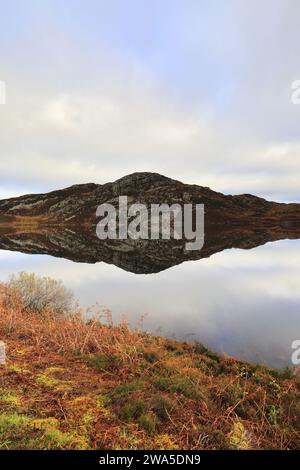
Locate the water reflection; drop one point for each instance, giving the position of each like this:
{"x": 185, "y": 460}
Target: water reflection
{"x": 242, "y": 302}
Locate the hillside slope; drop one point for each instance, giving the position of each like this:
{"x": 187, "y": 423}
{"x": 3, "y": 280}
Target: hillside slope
{"x": 74, "y": 385}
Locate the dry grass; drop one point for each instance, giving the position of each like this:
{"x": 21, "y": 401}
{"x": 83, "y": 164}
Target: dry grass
{"x": 75, "y": 385}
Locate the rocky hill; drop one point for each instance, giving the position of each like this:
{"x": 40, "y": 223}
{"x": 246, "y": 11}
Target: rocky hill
{"x": 77, "y": 204}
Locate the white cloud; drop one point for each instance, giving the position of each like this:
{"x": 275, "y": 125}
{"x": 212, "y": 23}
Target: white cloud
{"x": 110, "y": 114}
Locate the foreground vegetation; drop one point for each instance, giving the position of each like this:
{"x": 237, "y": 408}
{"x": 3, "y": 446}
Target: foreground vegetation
{"x": 69, "y": 384}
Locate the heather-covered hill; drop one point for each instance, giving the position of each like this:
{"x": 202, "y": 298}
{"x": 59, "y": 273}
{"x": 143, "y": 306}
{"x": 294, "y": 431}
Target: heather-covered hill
{"x": 78, "y": 203}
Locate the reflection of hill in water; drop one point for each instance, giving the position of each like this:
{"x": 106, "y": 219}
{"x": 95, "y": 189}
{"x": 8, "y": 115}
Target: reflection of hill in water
{"x": 140, "y": 257}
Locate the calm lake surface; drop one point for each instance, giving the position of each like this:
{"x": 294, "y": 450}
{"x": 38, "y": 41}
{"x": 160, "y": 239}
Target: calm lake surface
{"x": 245, "y": 303}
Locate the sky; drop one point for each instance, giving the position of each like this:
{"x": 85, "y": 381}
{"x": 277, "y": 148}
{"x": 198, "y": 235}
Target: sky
{"x": 197, "y": 90}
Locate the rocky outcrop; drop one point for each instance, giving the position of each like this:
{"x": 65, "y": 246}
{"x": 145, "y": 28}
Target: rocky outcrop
{"x": 78, "y": 204}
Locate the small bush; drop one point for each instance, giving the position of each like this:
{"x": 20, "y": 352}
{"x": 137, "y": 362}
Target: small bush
{"x": 177, "y": 384}
{"x": 284, "y": 374}
{"x": 39, "y": 294}
{"x": 133, "y": 410}
{"x": 9, "y": 398}
{"x": 214, "y": 437}
{"x": 123, "y": 391}
{"x": 272, "y": 414}
{"x": 162, "y": 407}
{"x": 148, "y": 422}
{"x": 151, "y": 356}
{"x": 104, "y": 362}
{"x": 199, "y": 348}
{"x": 232, "y": 395}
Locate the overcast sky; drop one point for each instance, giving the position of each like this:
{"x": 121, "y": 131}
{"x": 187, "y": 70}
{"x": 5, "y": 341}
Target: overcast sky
{"x": 198, "y": 90}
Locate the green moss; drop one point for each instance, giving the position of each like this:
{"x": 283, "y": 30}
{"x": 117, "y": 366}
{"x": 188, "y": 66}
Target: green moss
{"x": 44, "y": 423}
{"x": 165, "y": 442}
{"x": 54, "y": 438}
{"x": 11, "y": 421}
{"x": 10, "y": 398}
{"x": 50, "y": 380}
{"x": 15, "y": 431}
{"x": 102, "y": 401}
{"x": 15, "y": 368}
{"x": 23, "y": 432}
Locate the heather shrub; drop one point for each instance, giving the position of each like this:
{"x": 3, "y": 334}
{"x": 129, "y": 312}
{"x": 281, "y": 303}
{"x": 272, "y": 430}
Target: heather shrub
{"x": 39, "y": 294}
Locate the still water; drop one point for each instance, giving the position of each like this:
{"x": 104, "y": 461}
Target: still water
{"x": 245, "y": 303}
